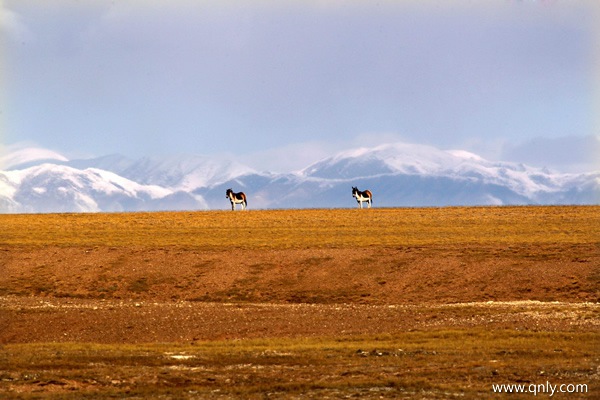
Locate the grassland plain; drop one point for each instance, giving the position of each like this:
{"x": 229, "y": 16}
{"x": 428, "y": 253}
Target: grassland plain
{"x": 392, "y": 303}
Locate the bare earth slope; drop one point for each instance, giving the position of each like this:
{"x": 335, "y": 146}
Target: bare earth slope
{"x": 189, "y": 278}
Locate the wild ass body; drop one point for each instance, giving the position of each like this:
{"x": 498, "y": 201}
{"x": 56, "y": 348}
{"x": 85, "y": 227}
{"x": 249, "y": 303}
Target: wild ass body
{"x": 236, "y": 198}
{"x": 362, "y": 196}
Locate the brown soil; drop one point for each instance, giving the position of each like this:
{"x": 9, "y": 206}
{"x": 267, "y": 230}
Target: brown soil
{"x": 170, "y": 294}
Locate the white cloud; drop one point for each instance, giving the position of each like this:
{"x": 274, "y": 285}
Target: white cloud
{"x": 25, "y": 152}
{"x": 372, "y": 139}
{"x": 291, "y": 157}
{"x": 12, "y": 25}
{"x": 299, "y": 155}
{"x": 568, "y": 153}
{"x": 565, "y": 154}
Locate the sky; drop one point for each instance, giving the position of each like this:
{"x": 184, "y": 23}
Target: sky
{"x": 281, "y": 84}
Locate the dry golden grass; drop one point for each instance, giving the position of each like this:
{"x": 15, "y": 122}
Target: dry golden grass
{"x": 434, "y": 365}
{"x": 281, "y": 229}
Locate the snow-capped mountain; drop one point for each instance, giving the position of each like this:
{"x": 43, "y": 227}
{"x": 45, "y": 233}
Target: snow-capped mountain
{"x": 60, "y": 188}
{"x": 398, "y": 174}
{"x": 385, "y": 159}
{"x": 429, "y": 162}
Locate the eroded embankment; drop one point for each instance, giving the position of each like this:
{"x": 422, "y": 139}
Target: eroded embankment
{"x": 26, "y": 320}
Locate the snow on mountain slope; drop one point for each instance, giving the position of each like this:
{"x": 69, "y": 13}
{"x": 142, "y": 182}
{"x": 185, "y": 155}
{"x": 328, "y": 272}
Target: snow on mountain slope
{"x": 388, "y": 158}
{"x": 60, "y": 188}
{"x": 185, "y": 172}
{"x": 113, "y": 163}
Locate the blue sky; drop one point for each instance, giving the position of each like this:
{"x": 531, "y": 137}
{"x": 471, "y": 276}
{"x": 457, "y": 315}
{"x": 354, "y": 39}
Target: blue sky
{"x": 281, "y": 84}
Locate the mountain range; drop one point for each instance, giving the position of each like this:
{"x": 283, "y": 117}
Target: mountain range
{"x": 398, "y": 174}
